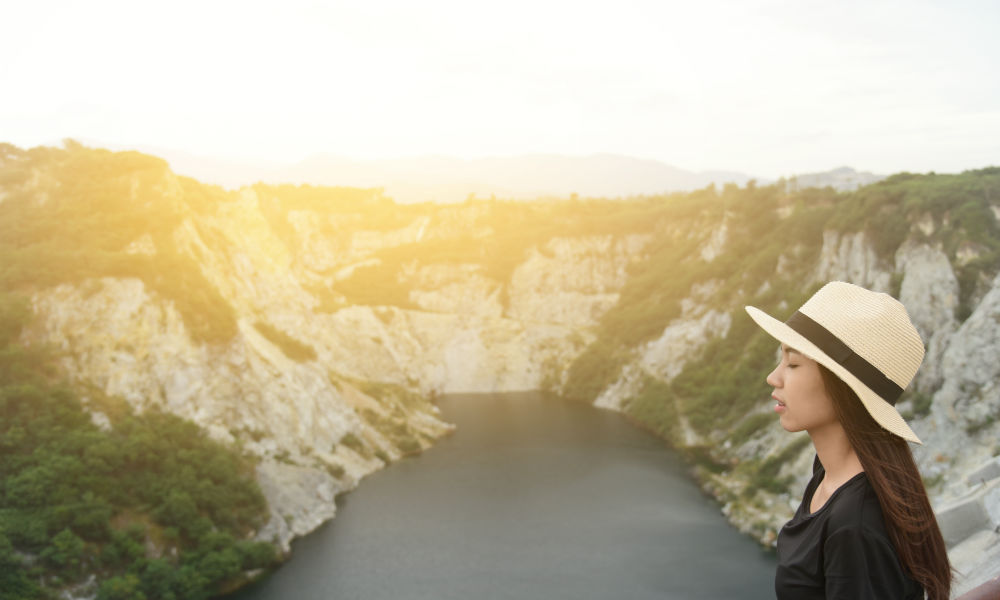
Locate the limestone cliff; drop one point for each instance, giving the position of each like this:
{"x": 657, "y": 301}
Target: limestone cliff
{"x": 956, "y": 393}
{"x": 319, "y": 425}
{"x": 309, "y": 326}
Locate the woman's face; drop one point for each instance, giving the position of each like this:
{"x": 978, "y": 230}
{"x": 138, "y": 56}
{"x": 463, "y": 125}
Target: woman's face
{"x": 802, "y": 401}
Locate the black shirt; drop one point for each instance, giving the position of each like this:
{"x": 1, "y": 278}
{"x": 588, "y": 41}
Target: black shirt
{"x": 842, "y": 550}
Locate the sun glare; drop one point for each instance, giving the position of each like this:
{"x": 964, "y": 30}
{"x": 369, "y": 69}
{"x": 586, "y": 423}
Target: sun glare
{"x": 767, "y": 88}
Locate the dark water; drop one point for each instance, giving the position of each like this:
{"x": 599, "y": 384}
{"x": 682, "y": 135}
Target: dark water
{"x": 531, "y": 497}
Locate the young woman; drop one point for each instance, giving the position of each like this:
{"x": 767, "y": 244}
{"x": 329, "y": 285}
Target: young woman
{"x": 865, "y": 528}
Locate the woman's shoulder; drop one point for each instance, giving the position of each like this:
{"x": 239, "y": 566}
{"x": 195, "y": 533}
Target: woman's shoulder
{"x": 859, "y": 558}
{"x": 854, "y": 507}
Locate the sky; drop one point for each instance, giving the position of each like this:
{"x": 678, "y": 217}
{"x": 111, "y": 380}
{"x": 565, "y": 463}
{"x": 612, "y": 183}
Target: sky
{"x": 768, "y": 88}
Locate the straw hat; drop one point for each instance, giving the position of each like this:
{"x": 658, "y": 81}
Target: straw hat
{"x": 865, "y": 338}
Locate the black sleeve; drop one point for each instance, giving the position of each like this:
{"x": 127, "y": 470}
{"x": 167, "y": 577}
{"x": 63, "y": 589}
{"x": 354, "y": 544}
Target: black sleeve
{"x": 860, "y": 566}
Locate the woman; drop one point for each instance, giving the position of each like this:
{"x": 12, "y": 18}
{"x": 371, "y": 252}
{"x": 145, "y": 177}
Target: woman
{"x": 865, "y": 528}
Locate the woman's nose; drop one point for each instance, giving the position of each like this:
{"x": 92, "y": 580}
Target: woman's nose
{"x": 773, "y": 379}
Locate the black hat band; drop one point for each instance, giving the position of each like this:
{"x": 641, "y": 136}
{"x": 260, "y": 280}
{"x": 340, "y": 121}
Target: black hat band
{"x": 867, "y": 373}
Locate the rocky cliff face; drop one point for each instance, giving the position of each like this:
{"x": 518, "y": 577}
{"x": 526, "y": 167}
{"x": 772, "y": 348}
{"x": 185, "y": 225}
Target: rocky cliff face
{"x": 319, "y": 425}
{"x": 324, "y": 390}
{"x": 115, "y": 337}
{"x": 956, "y": 388}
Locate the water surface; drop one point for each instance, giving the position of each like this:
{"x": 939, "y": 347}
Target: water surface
{"x": 531, "y": 497}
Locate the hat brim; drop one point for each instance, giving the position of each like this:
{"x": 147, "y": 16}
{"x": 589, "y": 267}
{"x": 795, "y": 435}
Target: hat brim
{"x": 884, "y": 413}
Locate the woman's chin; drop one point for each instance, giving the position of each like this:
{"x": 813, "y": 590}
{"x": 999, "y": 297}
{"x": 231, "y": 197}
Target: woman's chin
{"x": 788, "y": 425}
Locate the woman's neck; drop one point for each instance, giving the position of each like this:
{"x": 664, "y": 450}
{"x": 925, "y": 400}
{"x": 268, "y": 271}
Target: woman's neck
{"x": 836, "y": 454}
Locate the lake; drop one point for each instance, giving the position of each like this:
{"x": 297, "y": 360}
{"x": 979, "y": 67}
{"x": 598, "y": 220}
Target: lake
{"x": 531, "y": 497}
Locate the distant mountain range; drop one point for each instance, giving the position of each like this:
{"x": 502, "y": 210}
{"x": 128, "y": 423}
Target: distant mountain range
{"x": 446, "y": 179}
{"x": 843, "y": 179}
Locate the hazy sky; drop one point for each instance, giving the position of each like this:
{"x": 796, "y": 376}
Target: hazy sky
{"x": 765, "y": 87}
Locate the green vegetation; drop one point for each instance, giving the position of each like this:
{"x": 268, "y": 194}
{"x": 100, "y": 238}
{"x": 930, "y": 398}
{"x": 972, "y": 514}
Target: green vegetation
{"x": 958, "y": 208}
{"x": 376, "y": 285}
{"x": 353, "y": 442}
{"x": 77, "y": 499}
{"x": 293, "y": 348}
{"x": 83, "y": 500}
{"x": 920, "y": 403}
{"x": 497, "y": 241}
{"x": 354, "y": 208}
{"x": 652, "y": 408}
{"x": 652, "y": 296}
{"x": 764, "y": 474}
{"x": 725, "y": 380}
{"x": 977, "y": 426}
{"x": 151, "y": 506}
{"x": 752, "y": 424}
{"x": 392, "y": 419}
{"x": 335, "y": 471}
{"x": 70, "y": 214}
{"x": 745, "y": 272}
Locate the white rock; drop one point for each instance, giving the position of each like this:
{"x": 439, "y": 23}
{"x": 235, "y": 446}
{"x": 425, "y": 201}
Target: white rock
{"x": 849, "y": 257}
{"x": 301, "y": 499}
{"x": 929, "y": 291}
{"x": 715, "y": 243}
{"x": 572, "y": 281}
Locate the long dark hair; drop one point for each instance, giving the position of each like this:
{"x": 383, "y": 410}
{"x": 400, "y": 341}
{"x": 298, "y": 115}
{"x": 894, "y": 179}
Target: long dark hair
{"x": 893, "y": 474}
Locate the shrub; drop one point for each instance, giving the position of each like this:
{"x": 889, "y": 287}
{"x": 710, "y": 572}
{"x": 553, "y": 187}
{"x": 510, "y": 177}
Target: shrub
{"x": 293, "y": 348}
{"x": 353, "y": 442}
